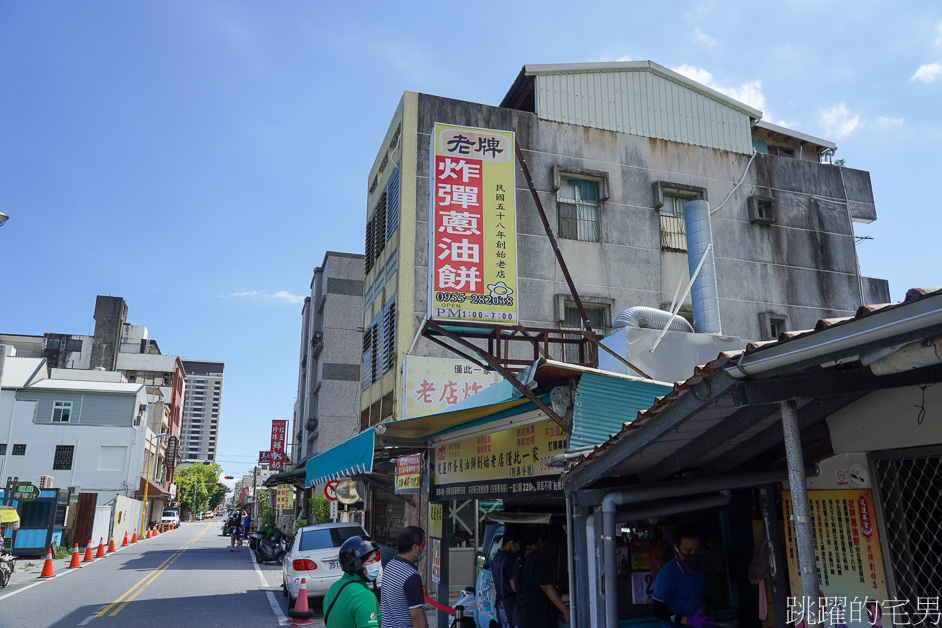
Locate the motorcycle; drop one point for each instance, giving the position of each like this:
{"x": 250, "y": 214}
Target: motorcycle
{"x": 7, "y": 565}
{"x": 268, "y": 550}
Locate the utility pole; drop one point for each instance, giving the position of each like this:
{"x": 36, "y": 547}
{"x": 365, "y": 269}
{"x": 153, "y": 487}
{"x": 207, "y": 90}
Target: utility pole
{"x": 255, "y": 496}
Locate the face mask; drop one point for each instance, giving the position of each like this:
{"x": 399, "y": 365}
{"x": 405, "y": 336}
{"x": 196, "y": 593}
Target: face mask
{"x": 372, "y": 571}
{"x": 422, "y": 556}
{"x": 692, "y": 560}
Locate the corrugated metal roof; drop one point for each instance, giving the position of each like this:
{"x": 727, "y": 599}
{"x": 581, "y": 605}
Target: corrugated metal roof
{"x": 642, "y": 98}
{"x": 602, "y": 406}
{"x": 79, "y": 386}
{"x": 727, "y": 359}
{"x": 18, "y": 371}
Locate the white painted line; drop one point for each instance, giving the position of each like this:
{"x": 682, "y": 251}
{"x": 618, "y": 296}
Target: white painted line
{"x": 275, "y": 606}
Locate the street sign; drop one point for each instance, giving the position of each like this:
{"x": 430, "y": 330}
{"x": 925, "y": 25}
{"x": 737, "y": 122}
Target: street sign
{"x": 330, "y": 491}
{"x": 25, "y": 492}
{"x": 172, "y": 445}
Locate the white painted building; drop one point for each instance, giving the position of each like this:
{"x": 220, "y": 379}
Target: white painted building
{"x": 86, "y": 435}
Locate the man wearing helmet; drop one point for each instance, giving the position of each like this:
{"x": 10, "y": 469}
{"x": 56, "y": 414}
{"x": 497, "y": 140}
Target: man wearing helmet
{"x": 349, "y": 602}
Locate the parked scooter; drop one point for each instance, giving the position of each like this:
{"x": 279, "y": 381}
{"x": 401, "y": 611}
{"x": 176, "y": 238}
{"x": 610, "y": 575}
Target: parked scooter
{"x": 465, "y": 608}
{"x": 7, "y": 565}
{"x": 269, "y": 550}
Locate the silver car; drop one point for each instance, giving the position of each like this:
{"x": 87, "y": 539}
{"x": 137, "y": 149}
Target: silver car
{"x": 313, "y": 555}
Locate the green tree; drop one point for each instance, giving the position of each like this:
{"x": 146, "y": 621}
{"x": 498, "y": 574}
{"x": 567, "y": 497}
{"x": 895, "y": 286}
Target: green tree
{"x": 320, "y": 509}
{"x": 218, "y": 495}
{"x": 196, "y": 483}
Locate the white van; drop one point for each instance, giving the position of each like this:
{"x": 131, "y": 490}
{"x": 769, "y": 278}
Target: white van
{"x": 171, "y": 516}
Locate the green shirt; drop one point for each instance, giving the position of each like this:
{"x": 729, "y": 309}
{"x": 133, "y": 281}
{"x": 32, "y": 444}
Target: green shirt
{"x": 357, "y": 606}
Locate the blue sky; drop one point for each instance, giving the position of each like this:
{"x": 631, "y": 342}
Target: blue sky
{"x": 198, "y": 158}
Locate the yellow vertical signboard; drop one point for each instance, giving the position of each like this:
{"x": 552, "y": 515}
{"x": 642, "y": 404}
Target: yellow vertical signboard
{"x": 472, "y": 226}
{"x": 847, "y": 553}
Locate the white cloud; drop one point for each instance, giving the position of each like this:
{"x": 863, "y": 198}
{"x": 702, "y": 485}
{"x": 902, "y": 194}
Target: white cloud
{"x": 749, "y": 93}
{"x": 281, "y": 295}
{"x": 928, "y": 73}
{"x": 838, "y": 121}
{"x": 888, "y": 121}
{"x": 704, "y": 38}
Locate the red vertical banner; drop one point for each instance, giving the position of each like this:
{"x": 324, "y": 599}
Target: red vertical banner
{"x": 279, "y": 429}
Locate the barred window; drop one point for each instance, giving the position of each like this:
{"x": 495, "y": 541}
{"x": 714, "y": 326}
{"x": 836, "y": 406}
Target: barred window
{"x": 577, "y": 203}
{"x": 19, "y": 450}
{"x": 598, "y": 314}
{"x": 63, "y": 458}
{"x": 673, "y": 228}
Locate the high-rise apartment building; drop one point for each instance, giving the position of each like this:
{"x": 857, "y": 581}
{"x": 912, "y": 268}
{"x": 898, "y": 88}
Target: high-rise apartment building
{"x": 201, "y": 403}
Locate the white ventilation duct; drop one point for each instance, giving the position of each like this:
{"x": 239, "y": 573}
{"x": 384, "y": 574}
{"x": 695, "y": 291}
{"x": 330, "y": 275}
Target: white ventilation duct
{"x": 705, "y": 295}
{"x": 651, "y": 318}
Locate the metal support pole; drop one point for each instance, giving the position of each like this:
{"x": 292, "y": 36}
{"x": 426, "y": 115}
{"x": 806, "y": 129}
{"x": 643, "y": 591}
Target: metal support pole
{"x": 804, "y": 532}
{"x": 146, "y": 484}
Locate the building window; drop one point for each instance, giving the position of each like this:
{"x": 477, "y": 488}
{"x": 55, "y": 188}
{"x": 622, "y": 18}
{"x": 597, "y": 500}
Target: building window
{"x": 772, "y": 325}
{"x": 3, "y": 449}
{"x": 577, "y": 204}
{"x": 73, "y": 345}
{"x": 19, "y": 450}
{"x": 63, "y": 458}
{"x": 598, "y": 316}
{"x": 61, "y": 411}
{"x": 761, "y": 210}
{"x": 673, "y": 228}
{"x": 669, "y": 201}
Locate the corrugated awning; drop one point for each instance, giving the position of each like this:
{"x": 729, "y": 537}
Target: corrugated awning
{"x": 604, "y": 404}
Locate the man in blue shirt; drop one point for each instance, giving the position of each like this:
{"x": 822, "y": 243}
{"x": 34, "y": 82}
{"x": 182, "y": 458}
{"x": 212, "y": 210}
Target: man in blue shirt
{"x": 678, "y": 588}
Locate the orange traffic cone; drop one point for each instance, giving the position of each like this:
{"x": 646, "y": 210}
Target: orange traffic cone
{"x": 76, "y": 562}
{"x": 47, "y": 566}
{"x": 162, "y": 529}
{"x": 89, "y": 553}
{"x": 301, "y": 614}
{"x": 101, "y": 548}
{"x": 133, "y": 537}
{"x": 148, "y": 535}
{"x": 125, "y": 541}
{"x": 110, "y": 545}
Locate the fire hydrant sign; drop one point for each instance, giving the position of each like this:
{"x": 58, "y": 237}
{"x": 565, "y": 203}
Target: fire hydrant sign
{"x": 846, "y": 549}
{"x": 472, "y": 226}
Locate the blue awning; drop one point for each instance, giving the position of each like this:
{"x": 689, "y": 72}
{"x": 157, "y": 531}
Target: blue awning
{"x": 351, "y": 457}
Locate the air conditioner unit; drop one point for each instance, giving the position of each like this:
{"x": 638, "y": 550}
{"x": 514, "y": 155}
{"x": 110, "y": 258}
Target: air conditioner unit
{"x": 45, "y": 481}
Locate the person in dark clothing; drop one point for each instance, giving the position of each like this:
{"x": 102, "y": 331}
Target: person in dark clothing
{"x": 678, "y": 587}
{"x": 536, "y": 594}
{"x": 501, "y": 567}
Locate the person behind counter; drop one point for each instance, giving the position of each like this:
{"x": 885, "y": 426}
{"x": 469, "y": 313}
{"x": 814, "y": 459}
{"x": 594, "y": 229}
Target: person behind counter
{"x": 678, "y": 588}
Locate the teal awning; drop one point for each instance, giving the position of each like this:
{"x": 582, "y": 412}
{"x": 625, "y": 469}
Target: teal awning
{"x": 603, "y": 404}
{"x": 351, "y": 457}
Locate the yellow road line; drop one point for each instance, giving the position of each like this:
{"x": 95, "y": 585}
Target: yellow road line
{"x": 146, "y": 580}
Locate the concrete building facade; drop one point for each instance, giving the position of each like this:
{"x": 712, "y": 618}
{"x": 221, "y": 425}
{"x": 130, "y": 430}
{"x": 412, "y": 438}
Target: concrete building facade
{"x": 327, "y": 408}
{"x": 645, "y": 140}
{"x": 202, "y": 401}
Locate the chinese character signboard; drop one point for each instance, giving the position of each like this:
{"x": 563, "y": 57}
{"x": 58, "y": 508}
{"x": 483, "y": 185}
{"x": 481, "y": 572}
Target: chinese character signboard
{"x": 509, "y": 463}
{"x": 435, "y": 517}
{"x": 409, "y": 474}
{"x": 472, "y": 230}
{"x": 846, "y": 548}
{"x": 284, "y": 497}
{"x": 278, "y": 432}
{"x": 264, "y": 457}
{"x": 432, "y": 385}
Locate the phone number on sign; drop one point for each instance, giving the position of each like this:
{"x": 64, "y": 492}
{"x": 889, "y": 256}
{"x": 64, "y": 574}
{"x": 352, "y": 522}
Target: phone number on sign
{"x": 473, "y": 299}
{"x": 447, "y": 312}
